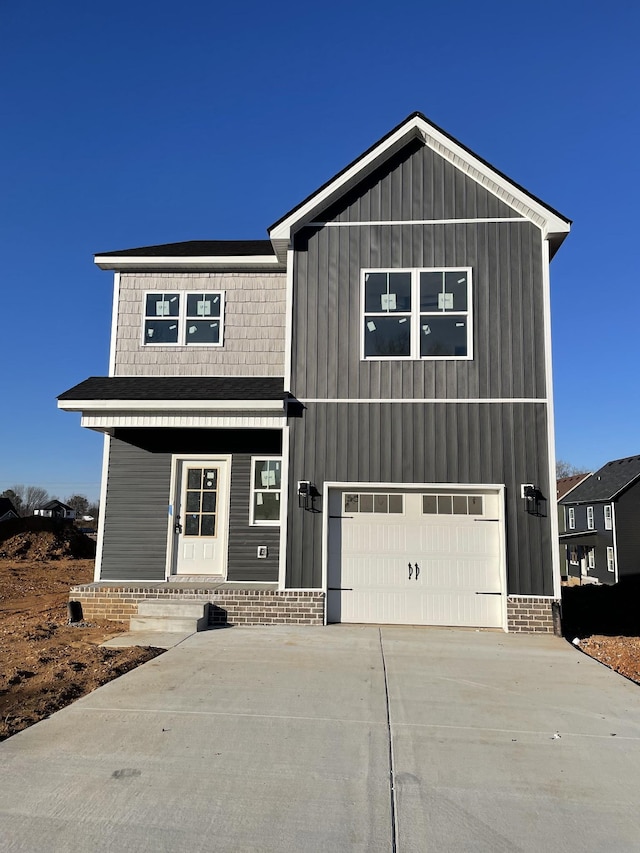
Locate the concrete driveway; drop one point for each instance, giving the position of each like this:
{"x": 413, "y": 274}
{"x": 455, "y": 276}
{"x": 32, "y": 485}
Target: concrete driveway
{"x": 336, "y": 739}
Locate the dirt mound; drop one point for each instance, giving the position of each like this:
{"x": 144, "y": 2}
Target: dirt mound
{"x": 64, "y": 543}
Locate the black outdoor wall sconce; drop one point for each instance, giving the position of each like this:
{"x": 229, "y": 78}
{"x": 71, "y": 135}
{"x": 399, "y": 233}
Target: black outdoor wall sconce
{"x": 533, "y": 499}
{"x": 307, "y": 493}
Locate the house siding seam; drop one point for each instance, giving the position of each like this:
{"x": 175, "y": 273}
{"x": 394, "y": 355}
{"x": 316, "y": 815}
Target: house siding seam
{"x": 251, "y": 346}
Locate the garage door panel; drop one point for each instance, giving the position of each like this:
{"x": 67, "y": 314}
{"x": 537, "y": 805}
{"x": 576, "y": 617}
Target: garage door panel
{"x": 458, "y": 559}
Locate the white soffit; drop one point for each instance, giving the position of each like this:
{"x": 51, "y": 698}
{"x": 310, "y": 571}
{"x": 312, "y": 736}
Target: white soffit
{"x": 465, "y": 161}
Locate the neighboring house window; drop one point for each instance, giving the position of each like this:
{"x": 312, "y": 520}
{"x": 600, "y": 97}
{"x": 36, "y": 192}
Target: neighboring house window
{"x": 187, "y": 319}
{"x": 571, "y": 518}
{"x": 266, "y": 488}
{"x": 591, "y": 558}
{"x": 611, "y": 567}
{"x": 417, "y": 314}
{"x": 590, "y": 518}
{"x": 608, "y": 520}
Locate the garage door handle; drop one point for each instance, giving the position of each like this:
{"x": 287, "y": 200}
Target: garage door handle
{"x": 340, "y": 589}
{"x": 488, "y": 593}
{"x": 410, "y": 571}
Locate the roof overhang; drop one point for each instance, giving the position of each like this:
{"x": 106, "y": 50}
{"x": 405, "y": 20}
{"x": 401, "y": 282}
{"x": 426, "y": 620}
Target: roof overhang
{"x": 129, "y": 263}
{"x": 553, "y": 225}
{"x": 170, "y": 405}
{"x": 577, "y": 535}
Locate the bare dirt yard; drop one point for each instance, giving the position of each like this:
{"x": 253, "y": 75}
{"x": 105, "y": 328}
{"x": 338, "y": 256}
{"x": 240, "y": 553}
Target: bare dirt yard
{"x": 47, "y": 663}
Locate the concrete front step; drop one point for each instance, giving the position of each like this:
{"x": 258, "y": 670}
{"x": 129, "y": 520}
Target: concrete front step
{"x": 170, "y": 616}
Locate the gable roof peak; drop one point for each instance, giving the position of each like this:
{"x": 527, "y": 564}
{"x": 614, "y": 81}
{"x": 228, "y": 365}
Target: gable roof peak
{"x": 554, "y": 225}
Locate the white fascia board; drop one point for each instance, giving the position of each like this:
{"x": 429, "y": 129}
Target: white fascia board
{"x": 442, "y": 144}
{"x": 169, "y": 405}
{"x": 142, "y": 262}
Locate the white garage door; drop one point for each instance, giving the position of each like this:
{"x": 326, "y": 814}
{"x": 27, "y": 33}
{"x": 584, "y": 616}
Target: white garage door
{"x": 415, "y": 558}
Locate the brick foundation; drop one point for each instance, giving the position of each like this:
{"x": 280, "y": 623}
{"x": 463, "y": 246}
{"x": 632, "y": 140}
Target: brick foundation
{"x": 118, "y": 602}
{"x": 531, "y": 614}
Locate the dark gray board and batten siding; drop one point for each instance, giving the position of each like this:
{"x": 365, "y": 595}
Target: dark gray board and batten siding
{"x": 480, "y": 443}
{"x": 135, "y": 534}
{"x": 498, "y": 443}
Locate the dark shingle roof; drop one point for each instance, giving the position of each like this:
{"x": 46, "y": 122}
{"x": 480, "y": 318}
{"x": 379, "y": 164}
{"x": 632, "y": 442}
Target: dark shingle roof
{"x": 177, "y": 388}
{"x": 196, "y": 249}
{"x": 606, "y": 483}
{"x": 54, "y": 504}
{"x": 565, "y": 484}
{"x": 6, "y": 506}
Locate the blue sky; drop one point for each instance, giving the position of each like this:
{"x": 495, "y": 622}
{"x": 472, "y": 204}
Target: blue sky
{"x": 137, "y": 123}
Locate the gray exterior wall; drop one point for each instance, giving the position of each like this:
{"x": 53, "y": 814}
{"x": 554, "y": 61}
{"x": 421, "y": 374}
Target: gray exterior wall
{"x": 253, "y": 326}
{"x": 135, "y": 533}
{"x": 135, "y": 514}
{"x": 627, "y": 514}
{"x": 492, "y": 443}
{"x": 507, "y": 290}
{"x": 425, "y": 443}
{"x": 244, "y": 540}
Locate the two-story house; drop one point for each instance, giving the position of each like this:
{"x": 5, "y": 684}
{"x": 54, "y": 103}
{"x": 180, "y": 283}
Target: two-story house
{"x": 601, "y": 521}
{"x": 351, "y": 420}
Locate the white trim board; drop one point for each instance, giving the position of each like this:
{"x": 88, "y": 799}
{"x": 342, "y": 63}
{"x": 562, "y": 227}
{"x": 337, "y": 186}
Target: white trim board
{"x": 170, "y": 405}
{"x": 413, "y": 400}
{"x": 481, "y": 220}
{"x": 144, "y": 262}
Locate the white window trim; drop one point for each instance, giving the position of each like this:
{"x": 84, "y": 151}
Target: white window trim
{"x": 416, "y": 313}
{"x": 611, "y": 559}
{"x": 608, "y": 517}
{"x": 591, "y": 558}
{"x": 181, "y": 319}
{"x": 571, "y": 518}
{"x": 252, "y": 492}
{"x": 590, "y": 518}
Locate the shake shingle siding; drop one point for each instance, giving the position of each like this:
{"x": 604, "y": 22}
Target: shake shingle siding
{"x": 252, "y": 347}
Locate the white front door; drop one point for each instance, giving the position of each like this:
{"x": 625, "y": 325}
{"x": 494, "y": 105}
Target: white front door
{"x": 415, "y": 558}
{"x": 201, "y": 517}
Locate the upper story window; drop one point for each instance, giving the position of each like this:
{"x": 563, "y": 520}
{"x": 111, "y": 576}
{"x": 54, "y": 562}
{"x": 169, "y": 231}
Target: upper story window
{"x": 417, "y": 314}
{"x": 571, "y": 518}
{"x": 186, "y": 319}
{"x": 590, "y": 524}
{"x": 608, "y": 519}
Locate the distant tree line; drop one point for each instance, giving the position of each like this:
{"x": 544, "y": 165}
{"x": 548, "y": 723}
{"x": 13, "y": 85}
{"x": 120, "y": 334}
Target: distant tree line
{"x": 566, "y": 469}
{"x": 27, "y": 498}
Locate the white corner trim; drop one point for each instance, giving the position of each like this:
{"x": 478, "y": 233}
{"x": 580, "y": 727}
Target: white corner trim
{"x": 103, "y": 507}
{"x": 615, "y": 541}
{"x": 114, "y": 324}
{"x": 288, "y": 323}
{"x": 284, "y": 510}
{"x": 551, "y": 440}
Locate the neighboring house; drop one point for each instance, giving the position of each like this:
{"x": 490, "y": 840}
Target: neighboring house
{"x": 7, "y": 510}
{"x": 602, "y": 530}
{"x": 55, "y": 509}
{"x": 356, "y": 408}
{"x": 563, "y": 486}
